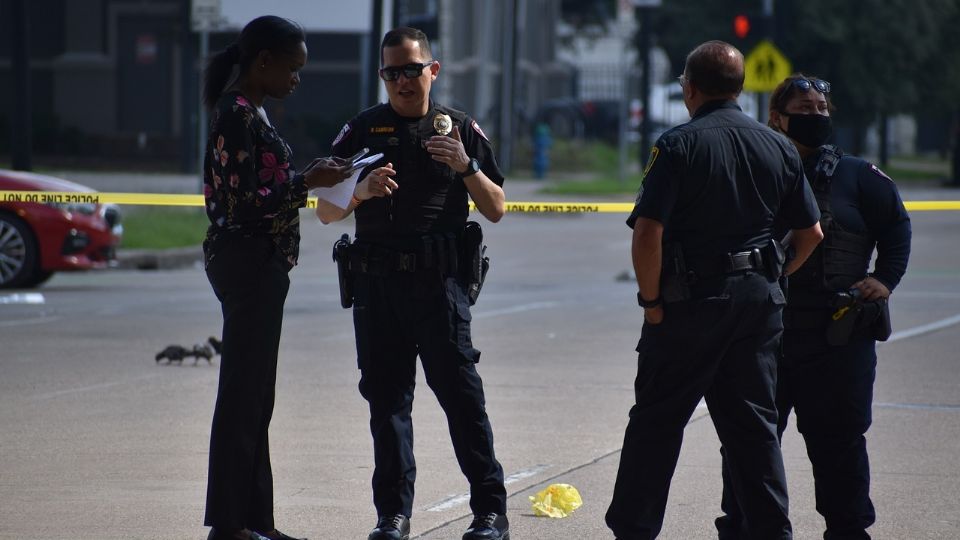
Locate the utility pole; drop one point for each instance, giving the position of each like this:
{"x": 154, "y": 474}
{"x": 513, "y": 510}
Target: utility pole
{"x": 769, "y": 33}
{"x": 373, "y": 53}
{"x": 645, "y": 85}
{"x": 205, "y": 15}
{"x": 645, "y": 7}
{"x": 508, "y": 66}
{"x": 884, "y": 136}
{"x": 21, "y": 140}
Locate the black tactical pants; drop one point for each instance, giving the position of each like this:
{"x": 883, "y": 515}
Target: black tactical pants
{"x": 721, "y": 346}
{"x": 831, "y": 391}
{"x": 396, "y": 318}
{"x": 250, "y": 279}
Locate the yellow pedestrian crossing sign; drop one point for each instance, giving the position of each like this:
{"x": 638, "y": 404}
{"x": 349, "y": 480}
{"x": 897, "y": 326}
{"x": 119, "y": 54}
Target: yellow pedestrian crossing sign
{"x": 765, "y": 67}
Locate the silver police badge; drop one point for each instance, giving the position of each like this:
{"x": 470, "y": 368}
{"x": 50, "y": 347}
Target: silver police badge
{"x": 442, "y": 124}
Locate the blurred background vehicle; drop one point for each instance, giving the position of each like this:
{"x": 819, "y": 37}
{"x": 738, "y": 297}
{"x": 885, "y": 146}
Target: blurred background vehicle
{"x": 581, "y": 119}
{"x": 38, "y": 239}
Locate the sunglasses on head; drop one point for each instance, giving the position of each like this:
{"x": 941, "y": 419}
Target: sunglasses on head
{"x": 806, "y": 84}
{"x": 410, "y": 71}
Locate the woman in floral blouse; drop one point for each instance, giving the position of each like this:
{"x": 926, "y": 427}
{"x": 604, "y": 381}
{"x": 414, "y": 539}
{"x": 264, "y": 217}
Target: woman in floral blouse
{"x": 252, "y": 194}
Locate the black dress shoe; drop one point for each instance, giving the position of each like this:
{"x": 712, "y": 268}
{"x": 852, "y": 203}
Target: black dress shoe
{"x": 396, "y": 527}
{"x": 242, "y": 534}
{"x": 277, "y": 535}
{"x": 488, "y": 527}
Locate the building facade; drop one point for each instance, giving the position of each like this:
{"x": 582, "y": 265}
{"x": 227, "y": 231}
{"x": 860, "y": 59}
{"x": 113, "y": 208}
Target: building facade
{"x": 117, "y": 82}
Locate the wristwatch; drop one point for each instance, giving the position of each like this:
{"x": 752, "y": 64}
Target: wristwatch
{"x": 647, "y": 304}
{"x": 472, "y": 168}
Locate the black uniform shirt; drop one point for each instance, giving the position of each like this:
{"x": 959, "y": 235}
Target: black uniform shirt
{"x": 431, "y": 197}
{"x": 865, "y": 201}
{"x": 718, "y": 182}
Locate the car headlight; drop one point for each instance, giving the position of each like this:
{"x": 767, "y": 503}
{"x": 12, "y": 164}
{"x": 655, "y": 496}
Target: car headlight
{"x": 111, "y": 213}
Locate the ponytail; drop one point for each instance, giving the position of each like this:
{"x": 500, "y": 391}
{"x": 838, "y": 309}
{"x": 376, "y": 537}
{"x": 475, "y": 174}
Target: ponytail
{"x": 217, "y": 73}
{"x": 270, "y": 33}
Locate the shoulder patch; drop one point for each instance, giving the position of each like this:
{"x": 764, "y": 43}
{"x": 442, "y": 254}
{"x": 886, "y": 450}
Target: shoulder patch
{"x": 876, "y": 170}
{"x": 476, "y": 127}
{"x": 654, "y": 152}
{"x": 343, "y": 133}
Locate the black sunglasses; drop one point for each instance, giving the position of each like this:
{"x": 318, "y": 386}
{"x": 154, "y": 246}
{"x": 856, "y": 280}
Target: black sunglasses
{"x": 806, "y": 84}
{"x": 410, "y": 71}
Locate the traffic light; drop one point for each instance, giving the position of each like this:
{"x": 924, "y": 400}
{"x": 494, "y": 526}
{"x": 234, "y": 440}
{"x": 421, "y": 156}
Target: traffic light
{"x": 741, "y": 26}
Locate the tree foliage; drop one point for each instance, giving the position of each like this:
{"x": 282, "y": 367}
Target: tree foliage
{"x": 872, "y": 50}
{"x": 681, "y": 25}
{"x": 882, "y": 56}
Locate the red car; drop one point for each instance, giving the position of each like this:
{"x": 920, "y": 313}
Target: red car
{"x": 40, "y": 238}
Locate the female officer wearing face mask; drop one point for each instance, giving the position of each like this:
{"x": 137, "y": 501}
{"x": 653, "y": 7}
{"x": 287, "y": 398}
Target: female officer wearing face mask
{"x": 835, "y": 313}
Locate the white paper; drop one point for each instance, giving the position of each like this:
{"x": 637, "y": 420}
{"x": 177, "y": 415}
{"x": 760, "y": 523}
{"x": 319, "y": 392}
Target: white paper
{"x": 339, "y": 195}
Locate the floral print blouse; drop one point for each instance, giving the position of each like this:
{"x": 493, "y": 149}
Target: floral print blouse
{"x": 249, "y": 185}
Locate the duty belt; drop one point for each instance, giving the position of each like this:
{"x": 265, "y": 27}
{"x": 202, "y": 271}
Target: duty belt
{"x": 435, "y": 253}
{"x": 727, "y": 263}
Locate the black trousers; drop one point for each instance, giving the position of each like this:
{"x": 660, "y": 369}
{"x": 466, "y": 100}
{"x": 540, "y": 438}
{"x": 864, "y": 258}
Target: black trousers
{"x": 831, "y": 391}
{"x": 721, "y": 345}
{"x": 250, "y": 279}
{"x": 396, "y": 318}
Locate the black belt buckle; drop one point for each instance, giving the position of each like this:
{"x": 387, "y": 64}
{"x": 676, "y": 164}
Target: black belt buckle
{"x": 743, "y": 260}
{"x": 734, "y": 262}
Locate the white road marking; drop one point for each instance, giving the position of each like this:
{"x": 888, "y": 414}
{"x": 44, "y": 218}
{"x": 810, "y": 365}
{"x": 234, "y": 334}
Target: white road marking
{"x": 924, "y": 329}
{"x": 515, "y": 309}
{"x": 457, "y": 500}
{"x": 24, "y": 322}
{"x": 22, "y": 298}
{"x": 927, "y": 294}
{"x": 100, "y": 386}
{"x": 918, "y": 406}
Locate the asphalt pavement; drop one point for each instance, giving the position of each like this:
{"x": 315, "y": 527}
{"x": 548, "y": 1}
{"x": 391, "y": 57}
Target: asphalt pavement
{"x": 100, "y": 441}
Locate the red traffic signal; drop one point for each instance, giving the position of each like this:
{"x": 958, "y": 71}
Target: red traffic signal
{"x": 741, "y": 26}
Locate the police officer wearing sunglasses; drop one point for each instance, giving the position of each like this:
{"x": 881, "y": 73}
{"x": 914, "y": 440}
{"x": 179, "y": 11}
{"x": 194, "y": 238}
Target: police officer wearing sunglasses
{"x": 836, "y": 311}
{"x": 411, "y": 270}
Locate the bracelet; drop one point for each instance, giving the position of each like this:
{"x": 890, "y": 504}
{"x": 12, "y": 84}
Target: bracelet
{"x": 355, "y": 200}
{"x": 647, "y": 304}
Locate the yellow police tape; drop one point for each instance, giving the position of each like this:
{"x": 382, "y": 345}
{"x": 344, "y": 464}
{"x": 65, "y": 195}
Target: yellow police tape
{"x": 177, "y": 199}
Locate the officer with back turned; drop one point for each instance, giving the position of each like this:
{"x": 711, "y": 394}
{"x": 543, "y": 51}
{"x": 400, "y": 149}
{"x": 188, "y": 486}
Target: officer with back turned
{"x": 414, "y": 269}
{"x": 836, "y": 312}
{"x": 707, "y": 267}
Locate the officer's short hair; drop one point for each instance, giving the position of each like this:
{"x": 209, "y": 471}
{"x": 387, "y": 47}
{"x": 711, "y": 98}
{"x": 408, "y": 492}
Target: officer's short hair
{"x": 397, "y": 35}
{"x": 715, "y": 68}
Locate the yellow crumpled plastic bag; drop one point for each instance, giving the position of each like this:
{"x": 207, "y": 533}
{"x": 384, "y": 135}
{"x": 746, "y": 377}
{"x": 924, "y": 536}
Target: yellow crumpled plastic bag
{"x": 556, "y": 501}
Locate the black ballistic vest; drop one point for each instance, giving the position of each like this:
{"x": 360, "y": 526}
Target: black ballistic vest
{"x": 843, "y": 257}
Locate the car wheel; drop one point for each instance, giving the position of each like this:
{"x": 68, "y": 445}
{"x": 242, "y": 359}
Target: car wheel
{"x": 18, "y": 252}
{"x": 38, "y": 278}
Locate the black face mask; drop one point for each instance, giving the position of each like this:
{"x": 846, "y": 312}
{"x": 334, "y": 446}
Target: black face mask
{"x": 810, "y": 130}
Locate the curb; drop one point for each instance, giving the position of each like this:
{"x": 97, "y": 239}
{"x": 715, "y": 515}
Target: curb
{"x": 158, "y": 259}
